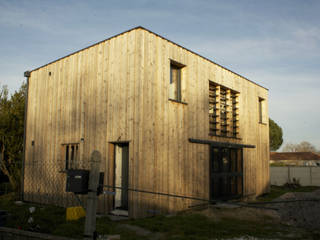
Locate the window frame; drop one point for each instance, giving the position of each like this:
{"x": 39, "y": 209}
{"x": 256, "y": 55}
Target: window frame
{"x": 70, "y": 159}
{"x": 261, "y": 110}
{"x": 179, "y": 67}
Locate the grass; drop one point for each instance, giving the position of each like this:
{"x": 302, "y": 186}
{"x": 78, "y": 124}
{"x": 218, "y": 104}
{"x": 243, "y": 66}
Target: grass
{"x": 197, "y": 226}
{"x": 189, "y": 226}
{"x": 277, "y": 191}
{"x": 52, "y": 220}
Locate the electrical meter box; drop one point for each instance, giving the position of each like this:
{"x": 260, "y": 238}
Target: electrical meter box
{"x": 77, "y": 181}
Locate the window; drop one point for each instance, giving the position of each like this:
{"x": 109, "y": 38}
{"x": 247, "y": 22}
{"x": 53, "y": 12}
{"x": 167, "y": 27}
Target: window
{"x": 175, "y": 81}
{"x": 261, "y": 110}
{"x": 70, "y": 155}
{"x": 223, "y": 111}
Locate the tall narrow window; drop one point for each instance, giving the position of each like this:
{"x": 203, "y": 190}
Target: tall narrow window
{"x": 261, "y": 110}
{"x": 70, "y": 154}
{"x": 175, "y": 81}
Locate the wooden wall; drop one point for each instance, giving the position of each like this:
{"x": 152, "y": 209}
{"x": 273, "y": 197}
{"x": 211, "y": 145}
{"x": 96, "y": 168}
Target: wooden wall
{"x": 117, "y": 90}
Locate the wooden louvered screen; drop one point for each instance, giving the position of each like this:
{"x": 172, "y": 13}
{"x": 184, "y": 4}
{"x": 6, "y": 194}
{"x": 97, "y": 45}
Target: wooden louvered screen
{"x": 223, "y": 111}
{"x": 213, "y": 108}
{"x": 235, "y": 114}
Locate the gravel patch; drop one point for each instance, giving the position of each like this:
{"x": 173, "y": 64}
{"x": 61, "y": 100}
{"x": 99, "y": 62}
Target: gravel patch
{"x": 302, "y": 213}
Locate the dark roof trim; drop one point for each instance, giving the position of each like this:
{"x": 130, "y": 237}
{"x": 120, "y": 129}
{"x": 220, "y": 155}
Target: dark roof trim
{"x": 140, "y": 27}
{"x": 221, "y": 144}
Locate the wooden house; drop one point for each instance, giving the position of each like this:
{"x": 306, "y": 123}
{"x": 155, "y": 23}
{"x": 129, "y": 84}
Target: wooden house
{"x": 171, "y": 125}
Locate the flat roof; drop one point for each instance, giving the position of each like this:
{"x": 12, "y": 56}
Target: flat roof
{"x": 140, "y": 27}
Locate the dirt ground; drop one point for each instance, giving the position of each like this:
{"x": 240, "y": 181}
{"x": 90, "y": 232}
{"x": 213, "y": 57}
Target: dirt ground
{"x": 222, "y": 211}
{"x": 300, "y": 209}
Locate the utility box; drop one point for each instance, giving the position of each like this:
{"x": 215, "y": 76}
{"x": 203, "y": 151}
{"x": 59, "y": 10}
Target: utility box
{"x": 77, "y": 181}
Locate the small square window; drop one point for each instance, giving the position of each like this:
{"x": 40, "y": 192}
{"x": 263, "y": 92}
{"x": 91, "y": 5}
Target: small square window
{"x": 175, "y": 81}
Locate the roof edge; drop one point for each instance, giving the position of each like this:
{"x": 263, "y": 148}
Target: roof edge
{"x": 143, "y": 28}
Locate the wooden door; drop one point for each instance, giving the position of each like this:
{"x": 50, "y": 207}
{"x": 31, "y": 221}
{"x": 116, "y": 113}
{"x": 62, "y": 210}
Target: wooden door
{"x": 226, "y": 173}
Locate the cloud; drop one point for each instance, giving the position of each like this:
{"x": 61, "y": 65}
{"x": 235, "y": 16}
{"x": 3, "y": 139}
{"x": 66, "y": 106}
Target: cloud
{"x": 302, "y": 44}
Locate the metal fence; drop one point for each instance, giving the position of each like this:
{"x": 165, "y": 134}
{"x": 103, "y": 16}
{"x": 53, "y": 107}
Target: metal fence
{"x": 5, "y": 188}
{"x": 305, "y": 175}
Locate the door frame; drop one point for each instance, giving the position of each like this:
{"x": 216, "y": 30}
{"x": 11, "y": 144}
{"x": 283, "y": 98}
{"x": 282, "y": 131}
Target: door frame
{"x": 223, "y": 145}
{"x": 112, "y": 169}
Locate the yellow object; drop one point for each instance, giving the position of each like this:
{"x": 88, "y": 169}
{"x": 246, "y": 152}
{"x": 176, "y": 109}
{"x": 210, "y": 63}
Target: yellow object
{"x": 74, "y": 213}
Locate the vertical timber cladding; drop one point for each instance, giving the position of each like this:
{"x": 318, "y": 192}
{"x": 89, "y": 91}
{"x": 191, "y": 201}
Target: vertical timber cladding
{"x": 118, "y": 90}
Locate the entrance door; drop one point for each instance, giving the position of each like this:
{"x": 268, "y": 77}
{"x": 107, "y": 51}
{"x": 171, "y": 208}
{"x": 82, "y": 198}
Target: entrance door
{"x": 226, "y": 173}
{"x": 121, "y": 175}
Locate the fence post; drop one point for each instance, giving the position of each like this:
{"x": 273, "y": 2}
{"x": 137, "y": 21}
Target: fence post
{"x": 310, "y": 171}
{"x": 289, "y": 177}
{"x": 90, "y": 223}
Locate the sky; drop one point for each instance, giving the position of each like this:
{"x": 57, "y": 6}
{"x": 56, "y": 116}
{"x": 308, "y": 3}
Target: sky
{"x": 275, "y": 43}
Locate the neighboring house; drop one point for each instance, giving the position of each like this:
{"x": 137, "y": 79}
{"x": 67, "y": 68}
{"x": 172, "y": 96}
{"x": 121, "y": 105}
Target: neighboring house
{"x": 164, "y": 118}
{"x": 295, "y": 158}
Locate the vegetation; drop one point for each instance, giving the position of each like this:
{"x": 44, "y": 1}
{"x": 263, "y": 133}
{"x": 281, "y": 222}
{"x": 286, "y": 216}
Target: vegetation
{"x": 191, "y": 225}
{"x": 301, "y": 147}
{"x": 198, "y": 226}
{"x": 11, "y": 134}
{"x": 278, "y": 164}
{"x": 275, "y": 135}
{"x": 52, "y": 220}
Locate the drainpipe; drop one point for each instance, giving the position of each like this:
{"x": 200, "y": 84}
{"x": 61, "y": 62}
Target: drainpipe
{"x": 27, "y": 75}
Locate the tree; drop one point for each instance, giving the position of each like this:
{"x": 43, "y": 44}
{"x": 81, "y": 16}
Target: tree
{"x": 290, "y": 147}
{"x": 275, "y": 135}
{"x": 11, "y": 133}
{"x": 306, "y": 147}
{"x": 301, "y": 147}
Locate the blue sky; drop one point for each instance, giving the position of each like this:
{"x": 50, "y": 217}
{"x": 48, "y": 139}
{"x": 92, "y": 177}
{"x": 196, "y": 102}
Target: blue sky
{"x": 275, "y": 43}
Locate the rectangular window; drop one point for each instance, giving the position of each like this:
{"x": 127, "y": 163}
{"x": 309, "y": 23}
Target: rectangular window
{"x": 175, "y": 81}
{"x": 223, "y": 111}
{"x": 70, "y": 155}
{"x": 261, "y": 110}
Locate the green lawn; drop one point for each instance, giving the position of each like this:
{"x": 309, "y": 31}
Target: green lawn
{"x": 197, "y": 226}
{"x": 191, "y": 225}
{"x": 52, "y": 220}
